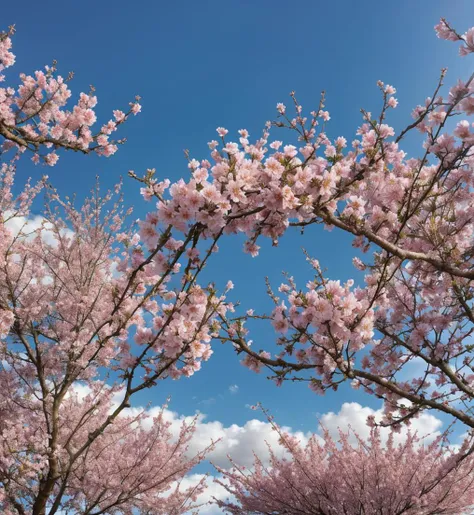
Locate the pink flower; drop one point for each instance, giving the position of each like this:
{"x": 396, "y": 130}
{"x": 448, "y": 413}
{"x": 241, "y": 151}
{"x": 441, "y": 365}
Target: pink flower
{"x": 89, "y": 117}
{"x": 147, "y": 193}
{"x": 143, "y": 335}
{"x": 330, "y": 151}
{"x": 469, "y": 43}
{"x": 467, "y": 105}
{"x": 251, "y": 248}
{"x": 355, "y": 207}
{"x": 51, "y": 159}
{"x": 119, "y": 116}
{"x": 444, "y": 32}
{"x": 290, "y": 151}
{"x": 462, "y": 130}
{"x": 392, "y": 102}
{"x": 281, "y": 325}
{"x": 6, "y": 321}
{"x": 136, "y": 108}
{"x": 149, "y": 234}
{"x": 236, "y": 193}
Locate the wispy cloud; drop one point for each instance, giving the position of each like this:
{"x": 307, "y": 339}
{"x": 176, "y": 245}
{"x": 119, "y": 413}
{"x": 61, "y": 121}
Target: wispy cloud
{"x": 233, "y": 388}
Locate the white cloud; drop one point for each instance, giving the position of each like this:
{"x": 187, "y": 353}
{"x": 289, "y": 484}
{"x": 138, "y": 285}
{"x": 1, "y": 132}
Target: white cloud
{"x": 241, "y": 442}
{"x": 233, "y": 388}
{"x": 81, "y": 390}
{"x": 30, "y": 226}
{"x": 353, "y": 415}
{"x": 238, "y": 441}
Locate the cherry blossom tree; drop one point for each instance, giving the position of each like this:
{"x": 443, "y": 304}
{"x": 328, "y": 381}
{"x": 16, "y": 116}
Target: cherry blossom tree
{"x": 34, "y": 115}
{"x": 329, "y": 477}
{"x": 90, "y": 298}
{"x": 82, "y": 306}
{"x": 414, "y": 214}
{"x": 136, "y": 465}
{"x": 78, "y": 298}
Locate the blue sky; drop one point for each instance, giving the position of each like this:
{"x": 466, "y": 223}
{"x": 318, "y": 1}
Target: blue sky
{"x": 203, "y": 64}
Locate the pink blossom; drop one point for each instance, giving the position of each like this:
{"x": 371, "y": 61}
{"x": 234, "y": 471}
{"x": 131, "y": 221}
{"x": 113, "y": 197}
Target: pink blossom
{"x": 372, "y": 478}
{"x": 443, "y": 31}
{"x": 51, "y": 159}
{"x": 136, "y": 108}
{"x": 119, "y": 115}
{"x": 469, "y": 43}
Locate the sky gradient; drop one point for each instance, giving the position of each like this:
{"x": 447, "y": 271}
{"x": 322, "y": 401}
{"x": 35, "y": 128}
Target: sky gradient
{"x": 200, "y": 65}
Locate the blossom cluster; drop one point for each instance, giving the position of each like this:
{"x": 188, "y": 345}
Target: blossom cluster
{"x": 136, "y": 464}
{"x": 35, "y": 114}
{"x": 338, "y": 477}
{"x": 415, "y": 213}
{"x": 83, "y": 292}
